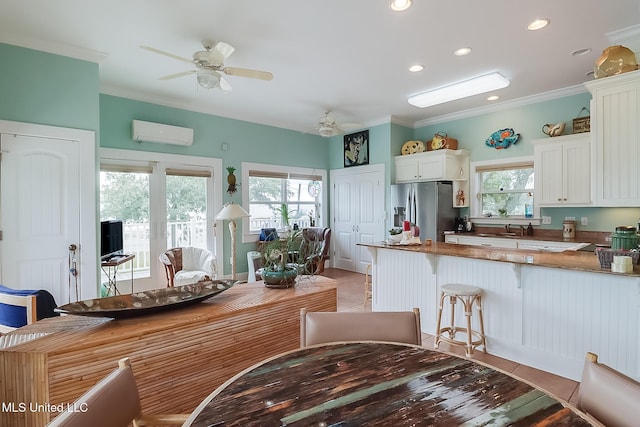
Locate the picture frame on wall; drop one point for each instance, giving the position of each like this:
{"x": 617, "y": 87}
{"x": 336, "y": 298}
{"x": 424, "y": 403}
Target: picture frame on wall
{"x": 356, "y": 149}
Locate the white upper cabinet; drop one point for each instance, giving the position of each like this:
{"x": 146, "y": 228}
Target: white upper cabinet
{"x": 438, "y": 165}
{"x": 615, "y": 130}
{"x": 562, "y": 170}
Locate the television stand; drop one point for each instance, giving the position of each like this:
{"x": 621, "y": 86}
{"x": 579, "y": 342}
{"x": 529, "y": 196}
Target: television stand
{"x": 110, "y": 268}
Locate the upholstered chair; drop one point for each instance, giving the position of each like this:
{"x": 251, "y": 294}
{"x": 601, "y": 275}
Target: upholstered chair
{"x": 188, "y": 265}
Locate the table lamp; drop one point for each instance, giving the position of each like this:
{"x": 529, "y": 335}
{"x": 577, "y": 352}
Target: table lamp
{"x": 231, "y": 212}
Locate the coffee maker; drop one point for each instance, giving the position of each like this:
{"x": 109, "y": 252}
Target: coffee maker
{"x": 459, "y": 225}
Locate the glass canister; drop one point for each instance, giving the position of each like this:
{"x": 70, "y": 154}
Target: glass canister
{"x": 624, "y": 237}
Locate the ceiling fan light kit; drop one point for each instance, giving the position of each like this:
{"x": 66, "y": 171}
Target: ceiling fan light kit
{"x": 210, "y": 67}
{"x": 208, "y": 78}
{"x": 474, "y": 86}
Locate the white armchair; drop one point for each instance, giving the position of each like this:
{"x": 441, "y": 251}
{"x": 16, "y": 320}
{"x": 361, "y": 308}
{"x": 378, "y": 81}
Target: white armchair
{"x": 188, "y": 265}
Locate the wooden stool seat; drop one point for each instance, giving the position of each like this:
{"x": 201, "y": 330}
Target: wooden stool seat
{"x": 469, "y": 296}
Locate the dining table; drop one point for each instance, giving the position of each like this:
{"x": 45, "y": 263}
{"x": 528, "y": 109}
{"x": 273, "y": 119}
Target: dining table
{"x": 379, "y": 383}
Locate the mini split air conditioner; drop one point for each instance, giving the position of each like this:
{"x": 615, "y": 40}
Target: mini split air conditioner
{"x": 163, "y": 134}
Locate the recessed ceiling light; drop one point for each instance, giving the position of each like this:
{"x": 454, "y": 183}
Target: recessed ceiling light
{"x": 400, "y": 5}
{"x": 474, "y": 86}
{"x": 581, "y": 52}
{"x": 462, "y": 51}
{"x": 538, "y": 24}
{"x": 493, "y": 98}
{"x": 416, "y": 68}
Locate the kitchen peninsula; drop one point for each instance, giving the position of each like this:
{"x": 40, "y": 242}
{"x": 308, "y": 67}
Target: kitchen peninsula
{"x": 543, "y": 309}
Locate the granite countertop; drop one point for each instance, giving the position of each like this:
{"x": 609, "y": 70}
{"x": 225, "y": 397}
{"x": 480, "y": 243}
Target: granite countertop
{"x": 568, "y": 260}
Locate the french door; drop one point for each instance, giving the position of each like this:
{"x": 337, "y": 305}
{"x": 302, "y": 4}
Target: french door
{"x": 357, "y": 204}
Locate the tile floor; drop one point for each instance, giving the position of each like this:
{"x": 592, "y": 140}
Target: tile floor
{"x": 351, "y": 298}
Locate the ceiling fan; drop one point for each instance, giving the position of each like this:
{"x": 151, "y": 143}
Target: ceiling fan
{"x": 210, "y": 66}
{"x": 327, "y": 126}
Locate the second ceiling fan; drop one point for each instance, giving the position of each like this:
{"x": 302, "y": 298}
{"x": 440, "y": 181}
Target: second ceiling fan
{"x": 210, "y": 68}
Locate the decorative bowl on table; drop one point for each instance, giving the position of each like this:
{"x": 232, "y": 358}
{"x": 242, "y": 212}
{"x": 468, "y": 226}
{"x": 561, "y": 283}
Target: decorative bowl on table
{"x": 147, "y": 302}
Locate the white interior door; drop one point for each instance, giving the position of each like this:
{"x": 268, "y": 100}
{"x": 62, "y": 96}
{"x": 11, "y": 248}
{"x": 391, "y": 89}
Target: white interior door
{"x": 358, "y": 214}
{"x": 47, "y": 203}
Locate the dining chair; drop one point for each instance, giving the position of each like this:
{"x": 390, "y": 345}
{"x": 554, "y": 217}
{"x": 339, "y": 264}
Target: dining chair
{"x": 186, "y": 265}
{"x": 113, "y": 402}
{"x": 608, "y": 395}
{"x": 324, "y": 327}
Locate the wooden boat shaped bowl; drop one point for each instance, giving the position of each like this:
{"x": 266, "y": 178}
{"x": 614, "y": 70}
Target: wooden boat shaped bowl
{"x": 147, "y": 302}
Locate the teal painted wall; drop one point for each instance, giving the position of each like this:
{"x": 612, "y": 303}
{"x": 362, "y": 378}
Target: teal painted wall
{"x": 246, "y": 142}
{"x": 48, "y": 89}
{"x": 528, "y": 121}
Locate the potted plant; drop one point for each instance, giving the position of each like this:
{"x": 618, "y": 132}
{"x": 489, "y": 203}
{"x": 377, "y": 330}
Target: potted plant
{"x": 278, "y": 271}
{"x": 284, "y": 213}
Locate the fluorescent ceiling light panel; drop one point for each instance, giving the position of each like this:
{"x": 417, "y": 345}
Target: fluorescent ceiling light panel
{"x": 471, "y": 87}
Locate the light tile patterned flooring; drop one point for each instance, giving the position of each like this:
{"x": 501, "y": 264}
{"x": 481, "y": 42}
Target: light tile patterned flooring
{"x": 351, "y": 298}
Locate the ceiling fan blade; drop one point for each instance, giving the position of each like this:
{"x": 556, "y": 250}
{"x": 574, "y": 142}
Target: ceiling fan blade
{"x": 170, "y": 55}
{"x": 176, "y": 75}
{"x": 224, "y": 49}
{"x": 244, "y": 72}
{"x": 224, "y": 85}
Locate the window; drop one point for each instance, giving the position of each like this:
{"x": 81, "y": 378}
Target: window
{"x": 504, "y": 189}
{"x": 275, "y": 193}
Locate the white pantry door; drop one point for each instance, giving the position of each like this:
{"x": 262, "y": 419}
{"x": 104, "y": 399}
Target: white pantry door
{"x": 40, "y": 212}
{"x": 358, "y": 215}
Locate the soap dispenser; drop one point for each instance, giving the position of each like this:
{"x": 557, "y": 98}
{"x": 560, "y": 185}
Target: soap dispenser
{"x": 530, "y": 230}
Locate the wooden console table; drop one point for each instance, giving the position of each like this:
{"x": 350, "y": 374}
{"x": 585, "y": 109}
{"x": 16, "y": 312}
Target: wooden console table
{"x": 178, "y": 356}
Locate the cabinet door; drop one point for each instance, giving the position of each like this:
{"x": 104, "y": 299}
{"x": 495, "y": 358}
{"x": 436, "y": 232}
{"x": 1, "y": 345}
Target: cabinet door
{"x": 431, "y": 168}
{"x": 406, "y": 169}
{"x": 577, "y": 173}
{"x": 616, "y": 134}
{"x": 548, "y": 174}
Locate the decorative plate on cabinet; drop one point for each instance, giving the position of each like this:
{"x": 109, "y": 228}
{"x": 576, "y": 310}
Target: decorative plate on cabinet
{"x": 412, "y": 147}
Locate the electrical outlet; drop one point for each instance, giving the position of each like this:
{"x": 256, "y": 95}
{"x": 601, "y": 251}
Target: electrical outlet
{"x": 584, "y": 220}
{"x": 546, "y": 219}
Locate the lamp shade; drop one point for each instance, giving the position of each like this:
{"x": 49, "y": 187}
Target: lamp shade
{"x": 232, "y": 211}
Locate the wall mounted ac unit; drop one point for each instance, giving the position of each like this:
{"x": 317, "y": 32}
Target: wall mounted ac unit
{"x": 164, "y": 134}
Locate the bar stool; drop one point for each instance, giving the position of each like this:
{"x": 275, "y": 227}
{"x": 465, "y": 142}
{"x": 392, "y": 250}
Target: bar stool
{"x": 468, "y": 296}
{"x": 367, "y": 285}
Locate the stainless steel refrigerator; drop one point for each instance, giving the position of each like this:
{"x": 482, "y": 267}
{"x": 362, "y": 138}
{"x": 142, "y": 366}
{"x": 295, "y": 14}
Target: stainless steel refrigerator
{"x": 429, "y": 205}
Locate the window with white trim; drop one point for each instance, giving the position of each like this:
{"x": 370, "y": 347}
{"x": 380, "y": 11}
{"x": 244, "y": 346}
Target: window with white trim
{"x": 271, "y": 188}
{"x": 504, "y": 189}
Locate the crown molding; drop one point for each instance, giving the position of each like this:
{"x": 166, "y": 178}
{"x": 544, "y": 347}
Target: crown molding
{"x": 527, "y": 100}
{"x": 48, "y": 46}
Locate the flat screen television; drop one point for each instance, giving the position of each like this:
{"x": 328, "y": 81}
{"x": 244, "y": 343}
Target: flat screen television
{"x": 111, "y": 242}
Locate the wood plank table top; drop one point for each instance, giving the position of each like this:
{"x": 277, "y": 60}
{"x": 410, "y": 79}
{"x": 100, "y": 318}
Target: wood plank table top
{"x": 368, "y": 383}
